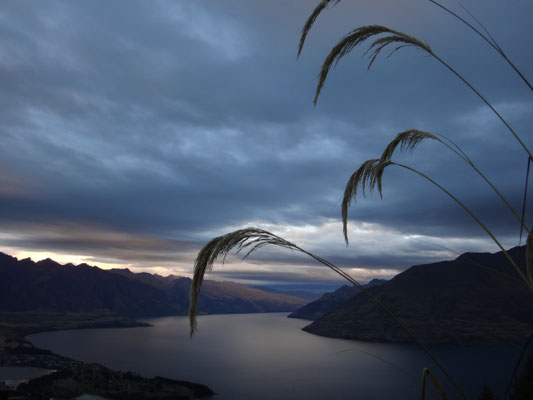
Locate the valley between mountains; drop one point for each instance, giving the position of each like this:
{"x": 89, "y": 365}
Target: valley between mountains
{"x": 475, "y": 299}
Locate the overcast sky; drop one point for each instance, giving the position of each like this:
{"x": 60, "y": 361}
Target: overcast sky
{"x": 132, "y": 132}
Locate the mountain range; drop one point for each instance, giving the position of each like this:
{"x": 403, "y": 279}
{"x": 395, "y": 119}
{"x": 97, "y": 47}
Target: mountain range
{"x": 26, "y": 285}
{"x": 475, "y": 299}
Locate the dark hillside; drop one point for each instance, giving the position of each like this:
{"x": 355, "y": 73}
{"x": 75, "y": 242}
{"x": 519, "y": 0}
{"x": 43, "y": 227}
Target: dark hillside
{"x": 449, "y": 302}
{"x": 49, "y": 286}
{"x": 330, "y": 301}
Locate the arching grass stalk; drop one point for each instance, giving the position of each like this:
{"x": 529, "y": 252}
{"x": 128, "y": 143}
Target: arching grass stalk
{"x": 487, "y": 103}
{"x": 370, "y": 174}
{"x": 529, "y": 257}
{"x": 251, "y": 239}
{"x": 408, "y": 140}
{"x": 360, "y": 35}
{"x": 524, "y": 199}
{"x": 488, "y": 38}
{"x": 426, "y": 373}
{"x": 310, "y": 21}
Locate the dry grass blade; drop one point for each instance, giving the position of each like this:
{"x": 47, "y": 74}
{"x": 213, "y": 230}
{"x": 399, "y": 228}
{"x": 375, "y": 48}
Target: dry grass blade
{"x": 359, "y": 36}
{"x": 426, "y": 373}
{"x": 487, "y": 37}
{"x": 407, "y": 140}
{"x": 371, "y": 172}
{"x": 248, "y": 239}
{"x": 529, "y": 257}
{"x": 309, "y": 23}
{"x": 523, "y": 216}
{"x": 403, "y": 40}
{"x": 251, "y": 239}
{"x": 370, "y": 175}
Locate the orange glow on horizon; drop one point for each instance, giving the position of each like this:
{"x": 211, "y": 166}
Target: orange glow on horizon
{"x": 65, "y": 259}
{"x": 76, "y": 259}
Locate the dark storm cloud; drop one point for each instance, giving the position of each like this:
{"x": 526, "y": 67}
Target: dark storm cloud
{"x": 176, "y": 121}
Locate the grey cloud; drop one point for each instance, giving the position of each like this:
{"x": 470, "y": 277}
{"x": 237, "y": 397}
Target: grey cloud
{"x": 138, "y": 117}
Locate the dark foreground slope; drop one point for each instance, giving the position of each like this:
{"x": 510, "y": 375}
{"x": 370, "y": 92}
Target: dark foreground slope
{"x": 48, "y": 286}
{"x": 474, "y": 299}
{"x": 330, "y": 301}
{"x": 71, "y": 378}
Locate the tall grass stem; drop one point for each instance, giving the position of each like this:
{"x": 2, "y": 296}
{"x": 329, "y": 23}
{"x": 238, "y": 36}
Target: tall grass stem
{"x": 489, "y": 39}
{"x": 486, "y": 102}
{"x": 480, "y": 223}
{"x": 426, "y": 373}
{"x": 254, "y": 239}
{"x": 522, "y": 219}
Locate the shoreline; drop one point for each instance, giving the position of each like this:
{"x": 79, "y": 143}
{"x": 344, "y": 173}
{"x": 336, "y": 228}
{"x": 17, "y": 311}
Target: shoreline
{"x": 71, "y": 378}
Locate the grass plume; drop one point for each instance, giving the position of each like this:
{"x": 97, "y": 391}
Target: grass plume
{"x": 408, "y": 140}
{"x": 400, "y": 40}
{"x": 251, "y": 239}
{"x": 310, "y": 21}
{"x": 248, "y": 239}
{"x": 359, "y": 36}
{"x": 369, "y": 174}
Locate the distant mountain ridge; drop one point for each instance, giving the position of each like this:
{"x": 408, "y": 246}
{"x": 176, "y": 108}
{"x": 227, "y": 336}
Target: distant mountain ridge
{"x": 330, "y": 301}
{"x": 303, "y": 294}
{"x": 449, "y": 302}
{"x": 26, "y": 285}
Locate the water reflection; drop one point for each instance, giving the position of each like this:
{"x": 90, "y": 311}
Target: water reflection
{"x": 267, "y": 356}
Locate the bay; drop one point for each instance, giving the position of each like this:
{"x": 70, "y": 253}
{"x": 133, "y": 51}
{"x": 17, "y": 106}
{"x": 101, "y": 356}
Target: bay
{"x": 268, "y": 356}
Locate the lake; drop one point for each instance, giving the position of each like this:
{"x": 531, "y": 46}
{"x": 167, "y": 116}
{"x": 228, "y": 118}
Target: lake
{"x": 268, "y": 356}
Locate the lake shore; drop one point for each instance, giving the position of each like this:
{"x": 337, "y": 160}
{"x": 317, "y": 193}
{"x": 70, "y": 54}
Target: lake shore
{"x": 266, "y": 356}
{"x": 15, "y": 326}
{"x": 71, "y": 378}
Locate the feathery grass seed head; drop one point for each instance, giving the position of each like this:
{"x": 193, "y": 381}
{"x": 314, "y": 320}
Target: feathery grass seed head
{"x": 249, "y": 240}
{"x": 370, "y": 174}
{"x": 309, "y": 23}
{"x": 359, "y": 36}
{"x": 407, "y": 140}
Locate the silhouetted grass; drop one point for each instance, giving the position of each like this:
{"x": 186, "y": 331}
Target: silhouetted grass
{"x": 426, "y": 373}
{"x": 408, "y": 140}
{"x": 370, "y": 174}
{"x": 251, "y": 239}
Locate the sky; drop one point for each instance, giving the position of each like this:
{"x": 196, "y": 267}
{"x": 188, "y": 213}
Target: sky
{"x": 133, "y": 132}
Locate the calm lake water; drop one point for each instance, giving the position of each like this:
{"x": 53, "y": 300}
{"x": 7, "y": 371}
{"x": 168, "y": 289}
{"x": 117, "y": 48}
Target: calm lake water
{"x": 267, "y": 356}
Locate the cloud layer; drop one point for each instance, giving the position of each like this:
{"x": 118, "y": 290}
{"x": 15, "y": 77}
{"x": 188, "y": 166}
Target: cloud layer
{"x": 133, "y": 132}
